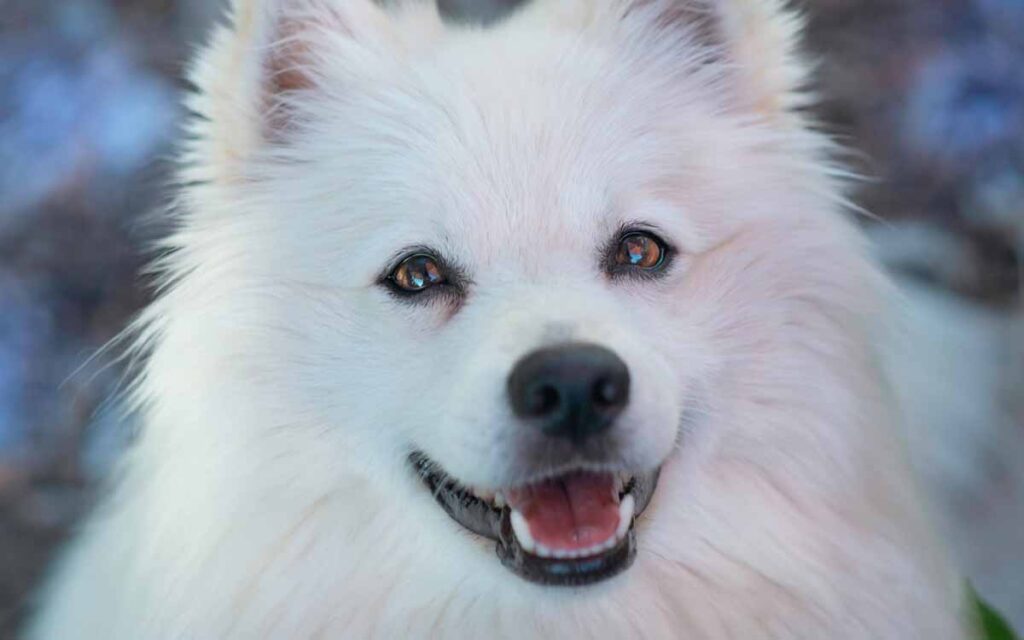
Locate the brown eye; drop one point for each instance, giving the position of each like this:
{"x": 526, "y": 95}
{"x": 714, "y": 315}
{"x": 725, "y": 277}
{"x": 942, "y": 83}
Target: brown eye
{"x": 417, "y": 273}
{"x": 640, "y": 250}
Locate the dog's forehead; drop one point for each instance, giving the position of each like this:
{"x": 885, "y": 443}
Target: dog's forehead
{"x": 509, "y": 151}
{"x": 525, "y": 148}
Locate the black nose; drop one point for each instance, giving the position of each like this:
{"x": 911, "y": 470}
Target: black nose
{"x": 571, "y": 391}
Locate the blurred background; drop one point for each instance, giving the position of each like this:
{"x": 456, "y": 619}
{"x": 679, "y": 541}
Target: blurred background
{"x": 927, "y": 94}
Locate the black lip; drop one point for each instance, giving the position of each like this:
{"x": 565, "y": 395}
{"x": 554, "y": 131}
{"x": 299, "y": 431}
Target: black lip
{"x": 495, "y": 524}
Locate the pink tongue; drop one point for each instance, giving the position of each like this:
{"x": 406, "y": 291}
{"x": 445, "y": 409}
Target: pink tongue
{"x": 572, "y": 512}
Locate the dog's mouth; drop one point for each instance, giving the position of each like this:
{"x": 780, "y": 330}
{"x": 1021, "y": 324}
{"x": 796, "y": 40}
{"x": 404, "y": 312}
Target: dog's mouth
{"x": 573, "y": 529}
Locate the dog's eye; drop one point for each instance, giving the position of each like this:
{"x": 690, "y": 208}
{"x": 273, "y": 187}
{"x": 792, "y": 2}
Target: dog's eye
{"x": 417, "y": 273}
{"x": 640, "y": 250}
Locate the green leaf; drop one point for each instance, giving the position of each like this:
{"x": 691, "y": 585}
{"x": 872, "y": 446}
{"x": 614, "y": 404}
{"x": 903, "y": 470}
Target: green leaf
{"x": 993, "y": 626}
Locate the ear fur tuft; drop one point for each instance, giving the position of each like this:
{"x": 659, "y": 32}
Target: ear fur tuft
{"x": 757, "y": 40}
{"x": 266, "y": 52}
{"x": 762, "y": 38}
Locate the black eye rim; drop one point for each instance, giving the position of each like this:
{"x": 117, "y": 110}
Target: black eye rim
{"x": 616, "y": 270}
{"x": 453, "y": 282}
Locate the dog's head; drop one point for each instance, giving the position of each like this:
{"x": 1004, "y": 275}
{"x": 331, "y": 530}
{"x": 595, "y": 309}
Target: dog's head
{"x": 509, "y": 269}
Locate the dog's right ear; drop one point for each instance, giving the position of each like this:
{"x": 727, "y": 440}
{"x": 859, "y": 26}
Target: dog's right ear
{"x": 270, "y": 52}
{"x": 754, "y": 42}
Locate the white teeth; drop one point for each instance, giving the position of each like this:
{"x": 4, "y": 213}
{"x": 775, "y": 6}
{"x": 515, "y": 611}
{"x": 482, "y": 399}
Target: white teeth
{"x": 616, "y": 486}
{"x": 625, "y": 515}
{"x": 499, "y": 500}
{"x": 560, "y": 554}
{"x": 522, "y": 532}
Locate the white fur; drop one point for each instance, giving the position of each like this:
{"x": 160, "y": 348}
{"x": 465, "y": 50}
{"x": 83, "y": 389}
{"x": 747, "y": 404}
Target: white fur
{"x": 269, "y": 495}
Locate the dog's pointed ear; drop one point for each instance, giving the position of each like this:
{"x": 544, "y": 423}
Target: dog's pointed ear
{"x": 269, "y": 51}
{"x": 755, "y": 41}
{"x": 761, "y": 39}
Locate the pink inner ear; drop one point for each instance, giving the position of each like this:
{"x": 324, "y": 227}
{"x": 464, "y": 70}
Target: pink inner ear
{"x": 288, "y": 66}
{"x": 294, "y": 31}
{"x": 286, "y": 71}
{"x": 298, "y": 27}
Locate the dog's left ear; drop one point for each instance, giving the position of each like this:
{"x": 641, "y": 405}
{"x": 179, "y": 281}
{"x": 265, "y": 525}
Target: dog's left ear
{"x": 755, "y": 41}
{"x": 273, "y": 51}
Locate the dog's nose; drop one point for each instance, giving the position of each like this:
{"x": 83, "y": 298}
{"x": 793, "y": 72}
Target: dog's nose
{"x": 570, "y": 391}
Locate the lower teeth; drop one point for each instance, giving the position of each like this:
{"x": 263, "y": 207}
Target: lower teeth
{"x": 521, "y": 530}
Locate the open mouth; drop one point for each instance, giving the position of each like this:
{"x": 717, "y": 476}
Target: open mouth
{"x": 573, "y": 529}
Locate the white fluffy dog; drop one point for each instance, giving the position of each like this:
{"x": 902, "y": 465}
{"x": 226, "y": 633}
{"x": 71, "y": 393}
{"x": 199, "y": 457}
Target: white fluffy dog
{"x": 551, "y": 329}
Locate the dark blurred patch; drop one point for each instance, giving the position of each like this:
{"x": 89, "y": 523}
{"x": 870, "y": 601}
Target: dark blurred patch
{"x": 88, "y": 107}
{"x": 987, "y": 268}
{"x": 933, "y": 93}
{"x": 477, "y": 11}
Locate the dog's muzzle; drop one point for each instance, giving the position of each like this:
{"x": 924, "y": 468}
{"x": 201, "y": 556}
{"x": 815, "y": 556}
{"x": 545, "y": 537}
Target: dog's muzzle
{"x": 574, "y": 523}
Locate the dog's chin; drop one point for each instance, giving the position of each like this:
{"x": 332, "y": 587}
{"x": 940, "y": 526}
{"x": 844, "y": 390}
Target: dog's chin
{"x": 572, "y": 529}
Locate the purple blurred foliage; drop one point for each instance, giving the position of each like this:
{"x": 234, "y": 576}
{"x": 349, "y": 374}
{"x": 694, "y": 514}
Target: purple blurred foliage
{"x": 22, "y": 326}
{"x": 77, "y": 107}
{"x": 88, "y": 109}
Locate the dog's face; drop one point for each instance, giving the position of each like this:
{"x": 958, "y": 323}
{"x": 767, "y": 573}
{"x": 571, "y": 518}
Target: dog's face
{"x": 512, "y": 267}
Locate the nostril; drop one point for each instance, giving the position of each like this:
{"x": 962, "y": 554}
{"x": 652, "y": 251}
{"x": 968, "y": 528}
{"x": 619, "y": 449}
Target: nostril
{"x": 541, "y": 400}
{"x": 610, "y": 393}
